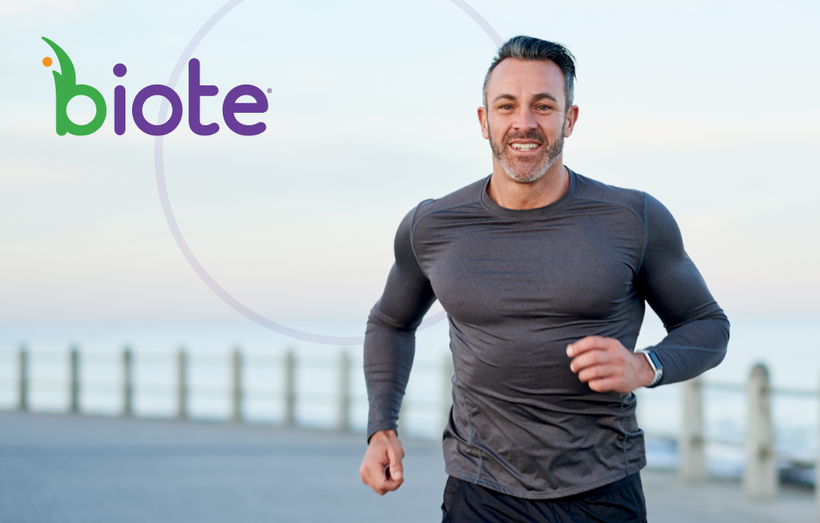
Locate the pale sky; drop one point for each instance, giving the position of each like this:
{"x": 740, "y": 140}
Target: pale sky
{"x": 711, "y": 107}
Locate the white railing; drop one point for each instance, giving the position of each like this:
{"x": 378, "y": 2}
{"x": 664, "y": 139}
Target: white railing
{"x": 760, "y": 476}
{"x": 283, "y": 393}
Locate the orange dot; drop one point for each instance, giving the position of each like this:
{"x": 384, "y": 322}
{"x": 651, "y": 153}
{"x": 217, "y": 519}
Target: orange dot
{"x": 47, "y": 61}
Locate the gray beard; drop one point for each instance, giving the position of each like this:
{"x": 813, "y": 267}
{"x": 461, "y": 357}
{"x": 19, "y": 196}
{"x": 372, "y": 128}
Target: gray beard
{"x": 526, "y": 173}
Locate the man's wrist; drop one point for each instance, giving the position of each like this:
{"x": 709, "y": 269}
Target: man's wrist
{"x": 384, "y": 434}
{"x": 655, "y": 367}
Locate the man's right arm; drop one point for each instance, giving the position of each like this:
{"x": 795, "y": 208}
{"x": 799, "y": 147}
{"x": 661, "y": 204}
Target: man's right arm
{"x": 389, "y": 347}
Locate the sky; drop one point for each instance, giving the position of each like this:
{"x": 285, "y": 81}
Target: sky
{"x": 711, "y": 107}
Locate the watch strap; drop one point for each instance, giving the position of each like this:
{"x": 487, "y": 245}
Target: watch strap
{"x": 658, "y": 371}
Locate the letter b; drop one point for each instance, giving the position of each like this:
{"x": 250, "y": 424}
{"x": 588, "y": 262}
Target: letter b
{"x": 66, "y": 88}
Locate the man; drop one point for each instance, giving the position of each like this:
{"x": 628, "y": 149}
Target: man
{"x": 544, "y": 274}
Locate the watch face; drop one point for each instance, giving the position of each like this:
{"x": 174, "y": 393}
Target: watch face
{"x": 655, "y": 361}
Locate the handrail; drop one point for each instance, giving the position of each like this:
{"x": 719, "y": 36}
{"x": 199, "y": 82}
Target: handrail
{"x": 282, "y": 388}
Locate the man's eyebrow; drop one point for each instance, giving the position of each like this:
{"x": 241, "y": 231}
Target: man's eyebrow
{"x": 535, "y": 98}
{"x": 541, "y": 96}
{"x": 504, "y": 97}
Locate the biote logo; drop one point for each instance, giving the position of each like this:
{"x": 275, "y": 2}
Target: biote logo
{"x": 66, "y": 88}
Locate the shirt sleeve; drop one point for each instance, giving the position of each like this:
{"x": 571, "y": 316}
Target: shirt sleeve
{"x": 390, "y": 338}
{"x": 697, "y": 329}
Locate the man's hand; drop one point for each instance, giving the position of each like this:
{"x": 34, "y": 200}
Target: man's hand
{"x": 606, "y": 365}
{"x": 381, "y": 469}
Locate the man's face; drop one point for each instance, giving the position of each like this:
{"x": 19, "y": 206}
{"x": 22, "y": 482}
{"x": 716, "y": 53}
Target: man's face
{"x": 525, "y": 119}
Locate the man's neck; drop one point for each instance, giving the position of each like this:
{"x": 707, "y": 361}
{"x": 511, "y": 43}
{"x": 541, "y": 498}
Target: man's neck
{"x": 511, "y": 194}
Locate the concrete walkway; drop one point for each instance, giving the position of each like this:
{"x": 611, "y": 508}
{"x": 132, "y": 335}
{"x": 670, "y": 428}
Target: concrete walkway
{"x": 56, "y": 468}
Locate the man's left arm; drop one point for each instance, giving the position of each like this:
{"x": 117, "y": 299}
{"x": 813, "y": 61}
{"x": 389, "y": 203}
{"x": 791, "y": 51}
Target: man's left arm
{"x": 697, "y": 329}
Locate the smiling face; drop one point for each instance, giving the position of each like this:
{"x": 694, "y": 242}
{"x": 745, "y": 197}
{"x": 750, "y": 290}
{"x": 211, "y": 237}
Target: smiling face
{"x": 526, "y": 156}
{"x": 525, "y": 118}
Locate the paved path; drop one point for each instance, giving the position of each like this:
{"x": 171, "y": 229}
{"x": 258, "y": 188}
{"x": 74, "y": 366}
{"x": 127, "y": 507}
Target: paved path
{"x": 56, "y": 468}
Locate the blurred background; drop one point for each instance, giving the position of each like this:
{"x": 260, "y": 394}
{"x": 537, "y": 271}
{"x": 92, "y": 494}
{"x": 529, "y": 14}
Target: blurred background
{"x": 711, "y": 107}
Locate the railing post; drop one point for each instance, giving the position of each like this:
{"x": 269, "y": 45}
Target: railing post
{"x": 817, "y": 477}
{"x": 447, "y": 387}
{"x": 691, "y": 442}
{"x": 290, "y": 390}
{"x": 343, "y": 422}
{"x": 23, "y": 379}
{"x": 127, "y": 382}
{"x": 236, "y": 386}
{"x": 760, "y": 479}
{"x": 182, "y": 384}
{"x": 74, "y": 380}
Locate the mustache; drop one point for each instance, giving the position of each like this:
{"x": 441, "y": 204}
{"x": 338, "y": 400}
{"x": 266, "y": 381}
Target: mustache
{"x": 532, "y": 134}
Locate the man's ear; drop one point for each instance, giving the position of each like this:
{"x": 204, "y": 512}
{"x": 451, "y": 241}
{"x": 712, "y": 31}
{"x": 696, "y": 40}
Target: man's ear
{"x": 571, "y": 119}
{"x": 482, "y": 119}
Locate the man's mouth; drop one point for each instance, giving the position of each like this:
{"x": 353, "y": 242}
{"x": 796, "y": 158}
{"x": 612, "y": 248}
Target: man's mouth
{"x": 525, "y": 146}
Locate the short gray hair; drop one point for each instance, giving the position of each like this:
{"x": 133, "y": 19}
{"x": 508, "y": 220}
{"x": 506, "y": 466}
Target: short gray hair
{"x": 536, "y": 50}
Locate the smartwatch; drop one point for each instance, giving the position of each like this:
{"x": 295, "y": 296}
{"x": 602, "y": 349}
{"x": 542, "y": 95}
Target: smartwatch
{"x": 655, "y": 363}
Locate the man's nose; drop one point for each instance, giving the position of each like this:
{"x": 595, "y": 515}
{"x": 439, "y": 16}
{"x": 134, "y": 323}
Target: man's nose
{"x": 525, "y": 119}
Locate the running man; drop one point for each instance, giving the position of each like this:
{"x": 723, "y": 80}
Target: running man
{"x": 544, "y": 274}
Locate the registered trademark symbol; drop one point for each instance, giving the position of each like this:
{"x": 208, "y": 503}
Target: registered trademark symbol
{"x": 270, "y": 90}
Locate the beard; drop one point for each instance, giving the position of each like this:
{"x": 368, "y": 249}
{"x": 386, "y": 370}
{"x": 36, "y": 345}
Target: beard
{"x": 527, "y": 171}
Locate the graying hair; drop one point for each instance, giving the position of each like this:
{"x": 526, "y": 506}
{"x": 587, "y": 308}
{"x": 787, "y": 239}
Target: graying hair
{"x": 536, "y": 50}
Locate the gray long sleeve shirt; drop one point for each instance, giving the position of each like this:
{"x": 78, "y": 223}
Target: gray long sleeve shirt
{"x": 518, "y": 287}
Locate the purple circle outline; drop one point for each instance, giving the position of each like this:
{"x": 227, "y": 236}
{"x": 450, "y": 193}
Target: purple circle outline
{"x": 159, "y": 167}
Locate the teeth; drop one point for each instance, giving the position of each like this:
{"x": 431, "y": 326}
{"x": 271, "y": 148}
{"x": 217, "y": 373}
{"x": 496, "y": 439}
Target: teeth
{"x": 525, "y": 146}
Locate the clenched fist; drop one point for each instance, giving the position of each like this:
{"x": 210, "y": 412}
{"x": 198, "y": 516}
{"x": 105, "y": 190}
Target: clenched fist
{"x": 381, "y": 469}
{"x": 606, "y": 365}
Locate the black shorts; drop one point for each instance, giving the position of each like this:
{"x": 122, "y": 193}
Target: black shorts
{"x": 622, "y": 501}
